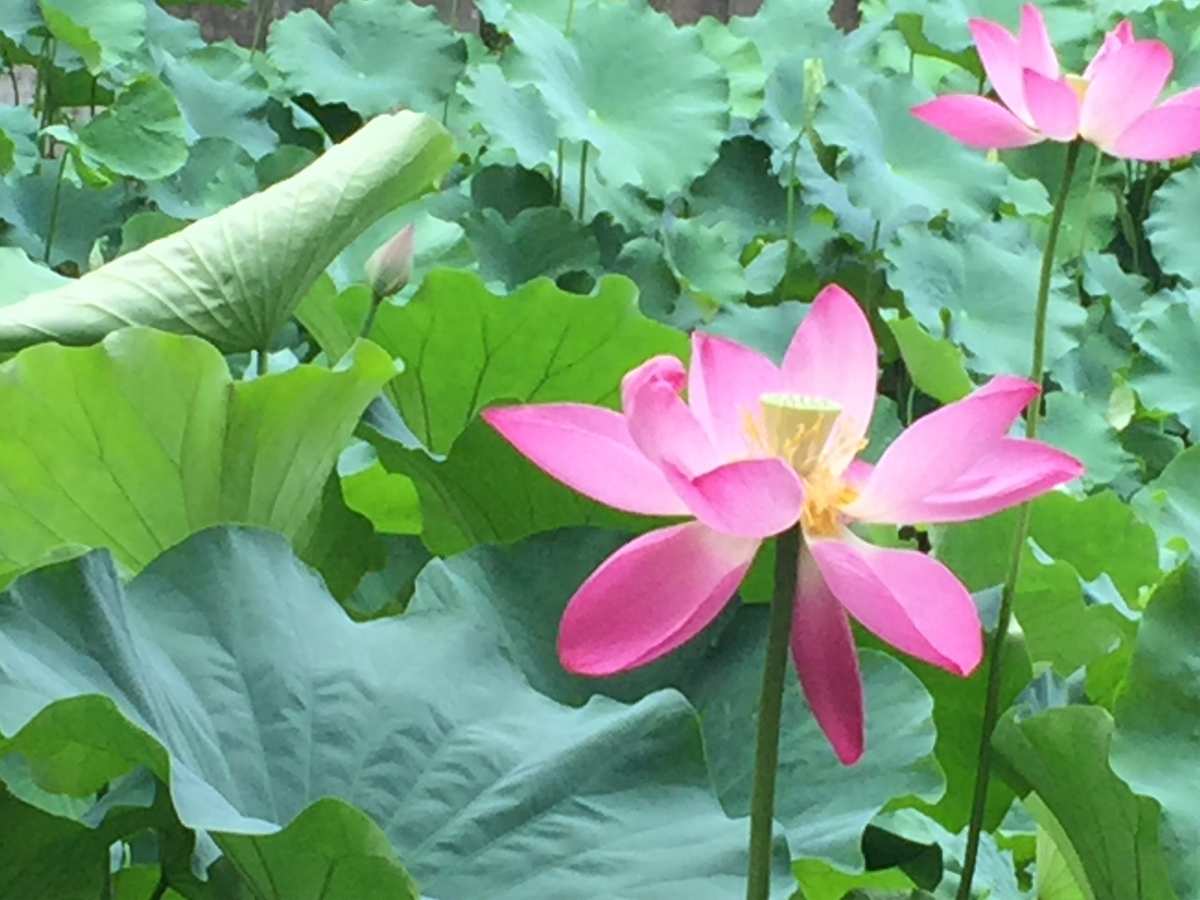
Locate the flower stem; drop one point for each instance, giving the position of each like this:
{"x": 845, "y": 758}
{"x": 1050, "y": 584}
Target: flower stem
{"x": 583, "y": 155}
{"x": 770, "y": 707}
{"x": 991, "y": 709}
{"x": 791, "y": 210}
{"x": 54, "y": 204}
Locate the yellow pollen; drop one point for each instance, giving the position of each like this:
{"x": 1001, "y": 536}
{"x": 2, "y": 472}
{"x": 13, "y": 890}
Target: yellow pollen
{"x": 824, "y": 496}
{"x": 1078, "y": 84}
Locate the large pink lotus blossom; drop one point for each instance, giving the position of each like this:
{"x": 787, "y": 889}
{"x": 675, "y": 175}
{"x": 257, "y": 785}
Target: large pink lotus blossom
{"x": 1111, "y": 104}
{"x": 755, "y": 448}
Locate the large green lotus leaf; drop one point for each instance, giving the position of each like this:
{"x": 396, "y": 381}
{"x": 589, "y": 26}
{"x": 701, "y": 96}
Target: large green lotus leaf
{"x": 1078, "y": 426}
{"x": 104, "y": 34}
{"x": 1089, "y": 560}
{"x": 84, "y": 215}
{"x": 466, "y": 348}
{"x": 899, "y": 168}
{"x": 222, "y": 95}
{"x": 1062, "y": 755}
{"x": 236, "y": 277}
{"x": 783, "y": 28}
{"x": 228, "y": 670}
{"x": 1171, "y": 227}
{"x": 985, "y": 279}
{"x": 823, "y": 805}
{"x": 1167, "y": 370}
{"x": 20, "y": 276}
{"x": 372, "y": 55}
{"x": 640, "y": 91}
{"x": 1156, "y": 743}
{"x": 741, "y": 189}
{"x": 515, "y": 118}
{"x": 218, "y": 173}
{"x": 538, "y": 242}
{"x": 139, "y": 441}
{"x": 1171, "y": 503}
{"x": 743, "y": 65}
{"x": 140, "y": 135}
{"x": 18, "y": 146}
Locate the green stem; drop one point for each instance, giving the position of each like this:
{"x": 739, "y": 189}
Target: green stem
{"x": 160, "y": 889}
{"x": 770, "y": 707}
{"x": 369, "y": 322}
{"x": 454, "y": 25}
{"x": 558, "y": 175}
{"x": 570, "y": 17}
{"x": 266, "y": 9}
{"x": 53, "y": 224}
{"x": 262, "y": 363}
{"x": 791, "y": 211}
{"x": 12, "y": 76}
{"x": 583, "y": 155}
{"x": 991, "y": 708}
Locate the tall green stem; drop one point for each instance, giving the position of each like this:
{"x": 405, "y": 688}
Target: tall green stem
{"x": 266, "y": 9}
{"x": 1087, "y": 207}
{"x": 52, "y": 226}
{"x": 558, "y": 177}
{"x": 791, "y": 210}
{"x": 583, "y": 155}
{"x": 991, "y": 708}
{"x": 770, "y": 707}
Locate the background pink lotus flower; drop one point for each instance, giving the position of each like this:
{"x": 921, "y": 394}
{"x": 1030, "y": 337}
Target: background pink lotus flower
{"x": 1111, "y": 104}
{"x": 754, "y": 449}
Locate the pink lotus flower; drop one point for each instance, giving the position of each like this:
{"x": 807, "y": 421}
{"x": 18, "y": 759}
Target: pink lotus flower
{"x": 1111, "y": 104}
{"x": 754, "y": 449}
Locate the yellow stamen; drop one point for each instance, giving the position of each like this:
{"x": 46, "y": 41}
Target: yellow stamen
{"x": 1078, "y": 84}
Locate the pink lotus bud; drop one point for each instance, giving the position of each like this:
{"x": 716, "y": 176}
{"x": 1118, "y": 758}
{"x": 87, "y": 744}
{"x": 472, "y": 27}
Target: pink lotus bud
{"x": 390, "y": 267}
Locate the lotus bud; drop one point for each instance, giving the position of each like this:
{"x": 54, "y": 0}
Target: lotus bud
{"x": 390, "y": 267}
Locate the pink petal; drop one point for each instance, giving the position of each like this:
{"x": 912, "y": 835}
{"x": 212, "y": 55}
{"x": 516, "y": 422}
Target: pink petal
{"x": 1001, "y": 57}
{"x": 1124, "y": 84}
{"x": 725, "y": 382}
{"x": 651, "y": 596}
{"x": 662, "y": 426}
{"x": 1016, "y": 470}
{"x": 1113, "y": 41}
{"x": 662, "y": 368}
{"x": 833, "y": 356}
{"x": 589, "y": 449}
{"x": 977, "y": 122}
{"x": 827, "y": 663}
{"x": 1037, "y": 52}
{"x": 1054, "y": 106}
{"x": 1163, "y": 133}
{"x": 906, "y": 598}
{"x": 750, "y": 498}
{"x": 933, "y": 452}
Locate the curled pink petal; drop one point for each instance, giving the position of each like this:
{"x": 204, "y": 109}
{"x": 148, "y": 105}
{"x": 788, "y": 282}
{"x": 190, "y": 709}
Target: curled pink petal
{"x": 1053, "y": 104}
{"x": 725, "y": 382}
{"x": 750, "y": 498}
{"x": 908, "y": 599}
{"x": 977, "y": 122}
{"x": 662, "y": 426}
{"x": 827, "y": 663}
{"x": 1165, "y": 132}
{"x": 1124, "y": 85}
{"x": 1033, "y": 39}
{"x": 1014, "y": 471}
{"x": 662, "y": 368}
{"x": 650, "y": 597}
{"x": 933, "y": 452}
{"x": 1113, "y": 41}
{"x": 833, "y": 356}
{"x": 588, "y": 449}
{"x": 1001, "y": 57}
